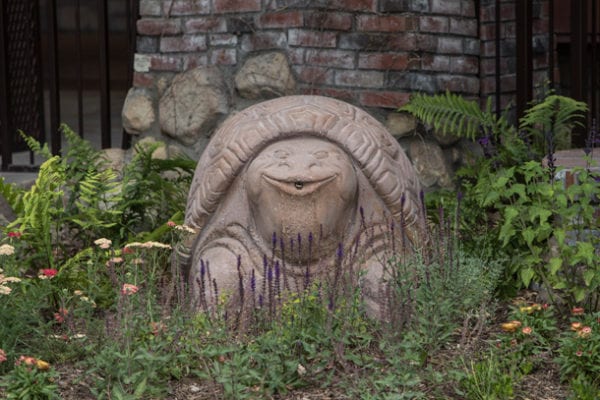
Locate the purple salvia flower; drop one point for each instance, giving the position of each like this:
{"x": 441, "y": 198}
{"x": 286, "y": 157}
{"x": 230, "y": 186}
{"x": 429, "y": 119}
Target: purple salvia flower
{"x": 253, "y": 281}
{"x": 260, "y": 300}
{"x": 270, "y": 274}
{"x": 340, "y": 252}
{"x": 202, "y": 269}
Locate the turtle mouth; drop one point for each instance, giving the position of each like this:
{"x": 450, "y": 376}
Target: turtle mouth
{"x": 298, "y": 186}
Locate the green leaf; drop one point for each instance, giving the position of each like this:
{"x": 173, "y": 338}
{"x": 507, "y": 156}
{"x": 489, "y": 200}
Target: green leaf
{"x": 555, "y": 264}
{"x": 585, "y": 251}
{"x": 526, "y": 276}
{"x": 588, "y": 276}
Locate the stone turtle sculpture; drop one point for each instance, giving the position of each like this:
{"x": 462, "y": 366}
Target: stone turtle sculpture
{"x": 286, "y": 188}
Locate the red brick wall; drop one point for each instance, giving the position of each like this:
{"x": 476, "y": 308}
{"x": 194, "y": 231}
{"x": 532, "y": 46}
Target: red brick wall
{"x": 370, "y": 52}
{"x": 508, "y": 49}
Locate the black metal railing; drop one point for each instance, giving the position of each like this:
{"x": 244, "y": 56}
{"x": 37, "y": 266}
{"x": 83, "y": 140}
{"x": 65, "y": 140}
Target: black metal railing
{"x": 51, "y": 50}
{"x": 575, "y": 42}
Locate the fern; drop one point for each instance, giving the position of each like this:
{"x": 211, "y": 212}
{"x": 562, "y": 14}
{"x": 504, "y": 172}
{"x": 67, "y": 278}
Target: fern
{"x": 42, "y": 209}
{"x": 556, "y": 115}
{"x": 451, "y": 114}
{"x": 13, "y": 195}
{"x": 36, "y": 146}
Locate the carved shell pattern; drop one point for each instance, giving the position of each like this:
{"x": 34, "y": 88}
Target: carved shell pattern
{"x": 245, "y": 134}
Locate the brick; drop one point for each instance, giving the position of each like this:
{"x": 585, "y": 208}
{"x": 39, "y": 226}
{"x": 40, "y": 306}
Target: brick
{"x": 150, "y": 8}
{"x": 487, "y": 31}
{"x": 449, "y": 45}
{"x": 446, "y": 7}
{"x": 287, "y": 19}
{"x": 328, "y": 20}
{"x": 205, "y": 24}
{"x": 191, "y": 61}
{"x": 352, "y": 5}
{"x": 158, "y": 26}
{"x": 434, "y": 62}
{"x": 488, "y": 85}
{"x": 161, "y": 62}
{"x": 508, "y": 83}
{"x": 141, "y": 79}
{"x": 507, "y": 12}
{"x": 509, "y": 30}
{"x": 363, "y": 79}
{"x": 186, "y": 7}
{"x": 463, "y": 26}
{"x": 263, "y": 41}
{"x": 223, "y": 57}
{"x": 384, "y": 23}
{"x": 458, "y": 84}
{"x": 222, "y": 39}
{"x": 186, "y": 43}
{"x": 471, "y": 46}
{"x": 433, "y": 24}
{"x": 314, "y": 75}
{"x": 346, "y": 95}
{"x": 239, "y": 25}
{"x": 404, "y": 5}
{"x": 468, "y": 8}
{"x": 296, "y": 55}
{"x": 147, "y": 44}
{"x": 383, "y": 61}
{"x": 422, "y": 82}
{"x": 425, "y": 42}
{"x": 228, "y": 6}
{"x": 308, "y": 38}
{"x": 464, "y": 65}
{"x": 383, "y": 99}
{"x": 377, "y": 41}
{"x": 330, "y": 58}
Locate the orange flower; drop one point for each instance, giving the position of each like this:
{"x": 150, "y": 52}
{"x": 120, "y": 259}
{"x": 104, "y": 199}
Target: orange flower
{"x": 575, "y": 326}
{"x": 42, "y": 365}
{"x": 527, "y": 330}
{"x": 577, "y": 311}
{"x": 511, "y": 326}
{"x": 129, "y": 289}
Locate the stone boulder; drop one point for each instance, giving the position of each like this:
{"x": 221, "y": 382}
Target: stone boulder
{"x": 401, "y": 125}
{"x": 265, "y": 76}
{"x": 430, "y": 164}
{"x": 138, "y": 111}
{"x": 193, "y": 104}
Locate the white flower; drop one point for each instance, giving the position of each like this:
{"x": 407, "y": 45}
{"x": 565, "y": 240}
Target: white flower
{"x": 103, "y": 243}
{"x": 185, "y": 228}
{"x": 7, "y": 250}
{"x": 5, "y": 289}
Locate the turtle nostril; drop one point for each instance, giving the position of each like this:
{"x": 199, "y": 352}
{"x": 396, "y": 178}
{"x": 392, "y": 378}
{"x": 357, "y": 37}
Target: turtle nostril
{"x": 299, "y": 185}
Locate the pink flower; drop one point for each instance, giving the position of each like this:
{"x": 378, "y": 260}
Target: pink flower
{"x": 61, "y": 315}
{"x": 171, "y": 224}
{"x": 584, "y": 332}
{"x": 14, "y": 234}
{"x": 579, "y": 353}
{"x": 48, "y": 273}
{"x": 129, "y": 289}
{"x": 577, "y": 311}
{"x": 2, "y": 356}
{"x": 527, "y": 330}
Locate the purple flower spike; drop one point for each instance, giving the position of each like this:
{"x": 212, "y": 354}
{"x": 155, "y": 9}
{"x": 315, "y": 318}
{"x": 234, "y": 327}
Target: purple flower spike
{"x": 270, "y": 274}
{"x": 274, "y": 240}
{"x": 299, "y": 241}
{"x": 340, "y": 252}
{"x": 277, "y": 269}
{"x": 402, "y": 200}
{"x": 265, "y": 261}
{"x": 202, "y": 269}
{"x": 260, "y": 300}
{"x": 253, "y": 281}
{"x": 310, "y": 238}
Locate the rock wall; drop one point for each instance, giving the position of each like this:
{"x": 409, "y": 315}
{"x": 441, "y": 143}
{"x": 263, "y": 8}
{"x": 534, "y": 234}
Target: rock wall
{"x": 199, "y": 60}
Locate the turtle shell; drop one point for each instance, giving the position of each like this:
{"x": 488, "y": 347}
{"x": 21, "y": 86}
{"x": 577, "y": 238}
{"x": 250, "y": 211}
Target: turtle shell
{"x": 242, "y": 136}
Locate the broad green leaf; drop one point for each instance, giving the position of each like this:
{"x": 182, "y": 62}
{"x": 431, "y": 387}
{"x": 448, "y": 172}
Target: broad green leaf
{"x": 585, "y": 251}
{"x": 555, "y": 264}
{"x": 588, "y": 276}
{"x": 526, "y": 276}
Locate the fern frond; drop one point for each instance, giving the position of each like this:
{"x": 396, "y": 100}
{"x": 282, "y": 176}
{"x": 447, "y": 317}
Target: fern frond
{"x": 13, "y": 194}
{"x": 35, "y": 146}
{"x": 451, "y": 114}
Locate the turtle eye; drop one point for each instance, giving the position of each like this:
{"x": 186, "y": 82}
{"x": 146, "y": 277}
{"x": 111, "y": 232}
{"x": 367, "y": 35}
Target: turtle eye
{"x": 281, "y": 154}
